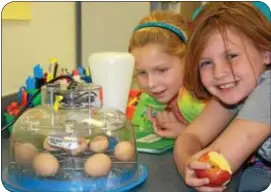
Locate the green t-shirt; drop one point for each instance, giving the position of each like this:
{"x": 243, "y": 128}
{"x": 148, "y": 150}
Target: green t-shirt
{"x": 147, "y": 140}
{"x": 140, "y": 120}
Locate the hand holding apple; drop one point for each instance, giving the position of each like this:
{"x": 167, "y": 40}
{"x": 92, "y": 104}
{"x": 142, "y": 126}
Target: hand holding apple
{"x": 220, "y": 172}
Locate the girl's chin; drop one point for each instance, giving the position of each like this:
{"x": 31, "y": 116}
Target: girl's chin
{"x": 161, "y": 100}
{"x": 164, "y": 100}
{"x": 230, "y": 101}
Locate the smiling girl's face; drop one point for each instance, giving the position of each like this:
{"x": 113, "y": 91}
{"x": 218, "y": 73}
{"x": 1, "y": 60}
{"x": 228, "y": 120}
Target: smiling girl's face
{"x": 230, "y": 69}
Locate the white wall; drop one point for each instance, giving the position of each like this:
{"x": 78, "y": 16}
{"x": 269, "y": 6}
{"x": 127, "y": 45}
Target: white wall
{"x": 107, "y": 26}
{"x": 50, "y": 33}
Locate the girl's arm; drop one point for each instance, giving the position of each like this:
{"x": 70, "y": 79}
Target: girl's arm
{"x": 201, "y": 132}
{"x": 250, "y": 128}
{"x": 240, "y": 140}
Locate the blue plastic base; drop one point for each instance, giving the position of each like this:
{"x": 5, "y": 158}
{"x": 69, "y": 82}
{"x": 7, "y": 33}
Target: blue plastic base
{"x": 32, "y": 184}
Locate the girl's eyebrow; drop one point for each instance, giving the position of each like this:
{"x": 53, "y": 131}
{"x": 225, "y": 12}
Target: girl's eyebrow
{"x": 136, "y": 69}
{"x": 161, "y": 65}
{"x": 228, "y": 50}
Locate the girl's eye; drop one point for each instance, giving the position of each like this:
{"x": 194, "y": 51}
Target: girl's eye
{"x": 141, "y": 73}
{"x": 204, "y": 64}
{"x": 162, "y": 70}
{"x": 231, "y": 56}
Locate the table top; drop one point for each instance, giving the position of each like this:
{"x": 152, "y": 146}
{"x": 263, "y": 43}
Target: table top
{"x": 162, "y": 173}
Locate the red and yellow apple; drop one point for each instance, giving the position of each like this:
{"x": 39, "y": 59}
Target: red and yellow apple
{"x": 220, "y": 172}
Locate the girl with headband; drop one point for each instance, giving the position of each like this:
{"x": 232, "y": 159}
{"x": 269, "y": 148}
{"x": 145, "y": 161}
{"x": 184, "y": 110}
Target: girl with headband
{"x": 229, "y": 56}
{"x": 158, "y": 45}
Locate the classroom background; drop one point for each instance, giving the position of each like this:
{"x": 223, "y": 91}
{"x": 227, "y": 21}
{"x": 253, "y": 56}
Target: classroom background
{"x": 69, "y": 31}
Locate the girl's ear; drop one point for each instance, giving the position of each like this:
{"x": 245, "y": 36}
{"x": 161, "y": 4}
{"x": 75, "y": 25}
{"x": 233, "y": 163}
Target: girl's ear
{"x": 266, "y": 57}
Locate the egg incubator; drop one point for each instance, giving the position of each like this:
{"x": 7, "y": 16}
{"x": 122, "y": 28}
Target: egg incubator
{"x": 71, "y": 143}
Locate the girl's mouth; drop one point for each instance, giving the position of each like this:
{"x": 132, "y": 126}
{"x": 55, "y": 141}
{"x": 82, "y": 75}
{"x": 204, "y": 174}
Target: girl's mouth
{"x": 158, "y": 94}
{"x": 227, "y": 86}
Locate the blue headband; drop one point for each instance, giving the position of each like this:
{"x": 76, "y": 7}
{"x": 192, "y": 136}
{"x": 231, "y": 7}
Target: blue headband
{"x": 262, "y": 7}
{"x": 171, "y": 28}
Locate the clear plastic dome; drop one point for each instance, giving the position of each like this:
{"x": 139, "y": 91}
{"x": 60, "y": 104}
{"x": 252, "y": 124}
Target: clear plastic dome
{"x": 71, "y": 143}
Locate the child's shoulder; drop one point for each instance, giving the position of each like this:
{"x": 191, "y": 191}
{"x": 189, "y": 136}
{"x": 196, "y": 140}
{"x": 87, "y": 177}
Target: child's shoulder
{"x": 265, "y": 77}
{"x": 259, "y": 95}
{"x": 188, "y": 105}
{"x": 257, "y": 106}
{"x": 185, "y": 97}
{"x": 263, "y": 87}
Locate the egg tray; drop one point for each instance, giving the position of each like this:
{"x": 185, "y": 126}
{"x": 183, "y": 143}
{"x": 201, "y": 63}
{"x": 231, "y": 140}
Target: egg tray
{"x": 71, "y": 174}
{"x": 72, "y": 167}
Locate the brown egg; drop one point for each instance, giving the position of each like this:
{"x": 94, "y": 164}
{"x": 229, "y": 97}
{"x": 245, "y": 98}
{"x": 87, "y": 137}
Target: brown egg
{"x": 45, "y": 164}
{"x": 48, "y": 147}
{"x": 24, "y": 152}
{"x": 98, "y": 165}
{"x": 124, "y": 151}
{"x": 99, "y": 144}
{"x": 83, "y": 145}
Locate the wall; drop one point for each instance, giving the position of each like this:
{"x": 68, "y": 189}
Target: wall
{"x": 107, "y": 26}
{"x": 50, "y": 33}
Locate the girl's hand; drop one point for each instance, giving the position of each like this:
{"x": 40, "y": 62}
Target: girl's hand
{"x": 165, "y": 123}
{"x": 198, "y": 183}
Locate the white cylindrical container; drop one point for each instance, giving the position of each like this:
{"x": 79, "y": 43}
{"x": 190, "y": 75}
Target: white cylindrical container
{"x": 113, "y": 71}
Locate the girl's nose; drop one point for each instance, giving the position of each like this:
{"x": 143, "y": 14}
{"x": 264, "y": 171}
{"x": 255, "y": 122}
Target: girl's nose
{"x": 152, "y": 82}
{"x": 222, "y": 70}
